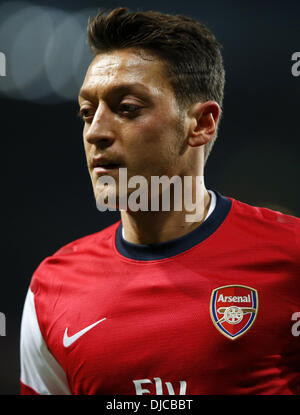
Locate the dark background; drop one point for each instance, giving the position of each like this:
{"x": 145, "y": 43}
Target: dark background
{"x": 47, "y": 196}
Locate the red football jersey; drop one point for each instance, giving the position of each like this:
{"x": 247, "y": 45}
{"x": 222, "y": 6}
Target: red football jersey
{"x": 212, "y": 312}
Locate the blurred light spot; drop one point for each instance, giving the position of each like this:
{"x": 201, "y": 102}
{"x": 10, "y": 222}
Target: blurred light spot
{"x": 59, "y": 57}
{"x": 27, "y": 59}
{"x": 46, "y": 51}
{"x": 82, "y": 56}
{"x": 10, "y": 21}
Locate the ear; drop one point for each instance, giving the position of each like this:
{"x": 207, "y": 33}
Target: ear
{"x": 204, "y": 117}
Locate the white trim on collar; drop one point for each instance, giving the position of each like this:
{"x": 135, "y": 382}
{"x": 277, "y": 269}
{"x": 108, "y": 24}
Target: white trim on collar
{"x": 213, "y": 203}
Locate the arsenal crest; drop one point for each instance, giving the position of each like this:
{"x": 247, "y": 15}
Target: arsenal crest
{"x": 233, "y": 309}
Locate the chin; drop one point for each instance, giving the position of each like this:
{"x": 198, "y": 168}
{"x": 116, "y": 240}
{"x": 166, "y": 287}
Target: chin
{"x": 106, "y": 198}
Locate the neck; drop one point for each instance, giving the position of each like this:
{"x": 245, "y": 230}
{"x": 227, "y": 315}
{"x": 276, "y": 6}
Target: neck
{"x": 156, "y": 227}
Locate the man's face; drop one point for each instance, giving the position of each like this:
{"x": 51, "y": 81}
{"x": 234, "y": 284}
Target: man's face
{"x": 131, "y": 118}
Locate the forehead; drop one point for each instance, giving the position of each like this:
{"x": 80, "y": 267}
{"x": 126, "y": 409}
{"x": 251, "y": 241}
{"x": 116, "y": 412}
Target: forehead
{"x": 128, "y": 66}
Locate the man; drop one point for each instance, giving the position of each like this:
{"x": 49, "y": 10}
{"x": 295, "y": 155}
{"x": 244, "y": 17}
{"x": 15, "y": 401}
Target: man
{"x": 156, "y": 303}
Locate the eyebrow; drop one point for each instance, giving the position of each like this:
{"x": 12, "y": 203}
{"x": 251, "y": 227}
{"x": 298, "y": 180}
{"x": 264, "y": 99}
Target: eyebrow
{"x": 121, "y": 88}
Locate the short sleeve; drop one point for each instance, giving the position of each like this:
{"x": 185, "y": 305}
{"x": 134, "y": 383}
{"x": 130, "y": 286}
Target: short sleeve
{"x": 41, "y": 374}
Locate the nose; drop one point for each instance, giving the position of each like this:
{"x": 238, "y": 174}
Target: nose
{"x": 100, "y": 131}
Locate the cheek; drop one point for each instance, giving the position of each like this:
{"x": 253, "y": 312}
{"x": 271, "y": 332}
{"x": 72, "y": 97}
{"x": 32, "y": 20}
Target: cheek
{"x": 151, "y": 134}
{"x": 149, "y": 147}
{"x": 86, "y": 147}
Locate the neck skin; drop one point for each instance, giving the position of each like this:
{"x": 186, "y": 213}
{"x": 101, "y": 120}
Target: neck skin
{"x": 156, "y": 227}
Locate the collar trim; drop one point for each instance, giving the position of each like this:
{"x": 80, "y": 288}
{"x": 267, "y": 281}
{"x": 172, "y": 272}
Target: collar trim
{"x": 176, "y": 246}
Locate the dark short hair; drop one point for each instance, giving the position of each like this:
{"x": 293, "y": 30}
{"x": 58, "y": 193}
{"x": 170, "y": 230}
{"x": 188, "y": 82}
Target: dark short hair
{"x": 190, "y": 51}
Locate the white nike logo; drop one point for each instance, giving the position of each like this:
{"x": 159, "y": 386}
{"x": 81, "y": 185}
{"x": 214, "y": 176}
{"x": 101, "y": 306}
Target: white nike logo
{"x": 67, "y": 341}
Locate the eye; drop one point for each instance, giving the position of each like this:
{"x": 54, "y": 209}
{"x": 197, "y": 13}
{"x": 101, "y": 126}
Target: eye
{"x": 85, "y": 114}
{"x": 128, "y": 109}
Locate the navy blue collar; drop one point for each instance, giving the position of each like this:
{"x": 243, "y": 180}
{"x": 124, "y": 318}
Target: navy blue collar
{"x": 175, "y": 246}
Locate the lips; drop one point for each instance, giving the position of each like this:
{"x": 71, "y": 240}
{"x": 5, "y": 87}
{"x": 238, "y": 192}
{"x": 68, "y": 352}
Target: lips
{"x": 103, "y": 164}
{"x": 108, "y": 166}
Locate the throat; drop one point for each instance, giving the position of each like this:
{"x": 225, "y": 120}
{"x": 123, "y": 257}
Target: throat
{"x": 149, "y": 228}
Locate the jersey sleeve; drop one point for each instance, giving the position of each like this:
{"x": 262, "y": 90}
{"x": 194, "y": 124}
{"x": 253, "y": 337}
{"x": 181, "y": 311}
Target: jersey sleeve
{"x": 41, "y": 374}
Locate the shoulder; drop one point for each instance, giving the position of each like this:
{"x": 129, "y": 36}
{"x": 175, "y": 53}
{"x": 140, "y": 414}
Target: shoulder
{"x": 84, "y": 243}
{"x": 65, "y": 258}
{"x": 266, "y": 224}
{"x": 264, "y": 215}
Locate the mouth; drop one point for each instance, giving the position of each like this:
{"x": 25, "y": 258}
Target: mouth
{"x": 106, "y": 168}
{"x": 102, "y": 165}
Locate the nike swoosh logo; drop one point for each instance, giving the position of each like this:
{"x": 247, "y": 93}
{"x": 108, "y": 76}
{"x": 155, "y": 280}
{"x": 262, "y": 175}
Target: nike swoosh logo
{"x": 67, "y": 341}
